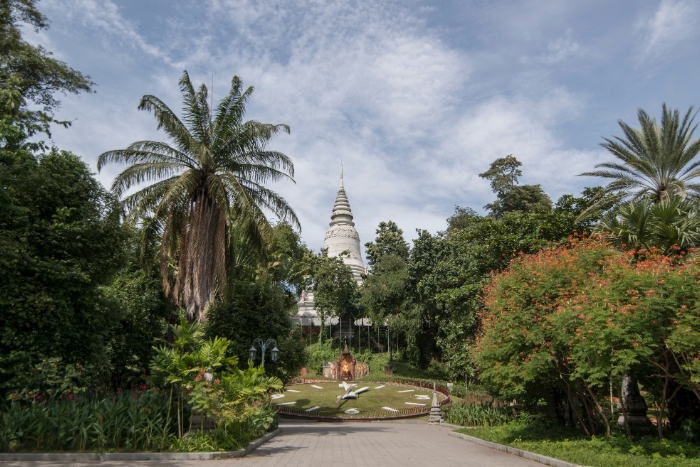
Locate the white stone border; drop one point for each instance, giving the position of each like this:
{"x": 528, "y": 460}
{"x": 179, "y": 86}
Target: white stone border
{"x": 515, "y": 451}
{"x": 137, "y": 456}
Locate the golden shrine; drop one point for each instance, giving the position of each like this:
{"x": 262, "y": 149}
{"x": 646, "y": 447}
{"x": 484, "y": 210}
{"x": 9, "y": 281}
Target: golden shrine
{"x": 345, "y": 366}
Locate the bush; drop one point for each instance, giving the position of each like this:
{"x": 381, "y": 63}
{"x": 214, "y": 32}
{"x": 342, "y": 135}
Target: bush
{"x": 574, "y": 318}
{"x": 258, "y": 311}
{"x": 128, "y": 420}
{"x": 483, "y": 414}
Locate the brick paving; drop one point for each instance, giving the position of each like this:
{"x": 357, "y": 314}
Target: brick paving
{"x": 348, "y": 445}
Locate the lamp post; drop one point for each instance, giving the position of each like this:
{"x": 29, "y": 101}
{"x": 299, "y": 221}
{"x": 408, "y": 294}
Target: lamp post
{"x": 274, "y": 353}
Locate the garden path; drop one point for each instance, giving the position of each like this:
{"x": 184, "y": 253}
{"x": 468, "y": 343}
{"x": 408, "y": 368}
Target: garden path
{"x": 404, "y": 444}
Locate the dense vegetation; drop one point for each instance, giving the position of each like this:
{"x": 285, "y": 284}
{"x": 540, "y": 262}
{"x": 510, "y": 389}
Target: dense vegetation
{"x": 549, "y": 305}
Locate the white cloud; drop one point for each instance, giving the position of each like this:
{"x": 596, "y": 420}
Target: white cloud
{"x": 558, "y": 50}
{"x": 104, "y": 15}
{"x": 673, "y": 21}
{"x": 361, "y": 80}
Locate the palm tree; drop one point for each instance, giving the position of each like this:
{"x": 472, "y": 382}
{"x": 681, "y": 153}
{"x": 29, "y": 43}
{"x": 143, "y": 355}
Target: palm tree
{"x": 210, "y": 177}
{"x": 671, "y": 225}
{"x": 654, "y": 162}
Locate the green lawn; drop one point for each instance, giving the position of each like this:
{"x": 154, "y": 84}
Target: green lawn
{"x": 372, "y": 400}
{"x": 547, "y": 438}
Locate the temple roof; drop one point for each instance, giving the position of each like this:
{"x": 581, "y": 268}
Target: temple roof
{"x": 342, "y": 214}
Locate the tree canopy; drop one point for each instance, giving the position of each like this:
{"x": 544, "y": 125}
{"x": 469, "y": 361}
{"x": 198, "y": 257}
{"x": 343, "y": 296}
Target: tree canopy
{"x": 503, "y": 175}
{"x": 655, "y": 161}
{"x": 212, "y": 177}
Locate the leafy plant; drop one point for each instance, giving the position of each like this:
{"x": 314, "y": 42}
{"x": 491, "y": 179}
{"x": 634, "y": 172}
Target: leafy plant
{"x": 484, "y": 414}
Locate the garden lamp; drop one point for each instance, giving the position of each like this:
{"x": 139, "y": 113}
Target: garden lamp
{"x": 264, "y": 345}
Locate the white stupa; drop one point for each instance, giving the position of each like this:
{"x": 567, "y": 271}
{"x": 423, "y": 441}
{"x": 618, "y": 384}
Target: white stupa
{"x": 341, "y": 237}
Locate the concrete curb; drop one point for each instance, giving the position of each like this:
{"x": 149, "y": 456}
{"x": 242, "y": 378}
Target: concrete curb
{"x": 449, "y": 425}
{"x": 138, "y": 456}
{"x": 517, "y": 452}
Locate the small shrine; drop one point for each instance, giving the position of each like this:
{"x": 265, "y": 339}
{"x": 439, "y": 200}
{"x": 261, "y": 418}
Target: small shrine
{"x": 345, "y": 366}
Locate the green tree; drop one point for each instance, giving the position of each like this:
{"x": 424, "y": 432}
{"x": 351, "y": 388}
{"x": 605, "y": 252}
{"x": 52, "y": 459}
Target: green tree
{"x": 29, "y": 74}
{"x": 503, "y": 175}
{"x": 258, "y": 310}
{"x": 60, "y": 240}
{"x": 211, "y": 176}
{"x": 389, "y": 241}
{"x": 386, "y": 289}
{"x": 447, "y": 272}
{"x": 140, "y": 314}
{"x": 335, "y": 289}
{"x": 672, "y": 225}
{"x": 654, "y": 161}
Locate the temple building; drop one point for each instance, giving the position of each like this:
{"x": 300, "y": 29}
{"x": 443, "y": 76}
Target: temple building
{"x": 340, "y": 237}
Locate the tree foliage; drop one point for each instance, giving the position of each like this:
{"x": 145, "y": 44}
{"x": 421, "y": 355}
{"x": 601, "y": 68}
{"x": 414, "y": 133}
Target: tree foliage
{"x": 655, "y": 161}
{"x": 580, "y": 316}
{"x": 389, "y": 241}
{"x": 335, "y": 289}
{"x": 503, "y": 175}
{"x": 60, "y": 240}
{"x": 29, "y": 74}
{"x": 213, "y": 175}
{"x": 258, "y": 310}
{"x": 644, "y": 226}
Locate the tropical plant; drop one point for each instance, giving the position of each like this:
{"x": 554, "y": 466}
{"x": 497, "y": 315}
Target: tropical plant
{"x": 129, "y": 420}
{"x": 202, "y": 376}
{"x": 483, "y": 414}
{"x": 655, "y": 161}
{"x": 670, "y": 225}
{"x": 212, "y": 176}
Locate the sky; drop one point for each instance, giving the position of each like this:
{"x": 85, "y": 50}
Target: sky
{"x": 416, "y": 97}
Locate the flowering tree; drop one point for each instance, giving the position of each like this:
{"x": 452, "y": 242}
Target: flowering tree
{"x": 576, "y": 317}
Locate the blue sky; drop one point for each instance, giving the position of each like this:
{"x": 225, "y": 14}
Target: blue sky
{"x": 417, "y": 97}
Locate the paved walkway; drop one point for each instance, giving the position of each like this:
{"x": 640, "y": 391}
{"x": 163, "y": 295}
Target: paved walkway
{"x": 350, "y": 445}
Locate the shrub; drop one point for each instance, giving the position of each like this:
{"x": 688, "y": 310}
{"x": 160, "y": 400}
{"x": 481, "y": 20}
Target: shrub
{"x": 483, "y": 414}
{"x": 129, "y": 420}
{"x": 573, "y": 318}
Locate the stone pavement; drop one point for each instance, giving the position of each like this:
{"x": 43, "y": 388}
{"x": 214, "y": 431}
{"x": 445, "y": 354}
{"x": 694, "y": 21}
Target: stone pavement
{"x": 348, "y": 445}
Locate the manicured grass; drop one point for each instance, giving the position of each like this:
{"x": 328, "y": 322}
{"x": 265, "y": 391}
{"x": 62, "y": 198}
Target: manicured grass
{"x": 547, "y": 438}
{"x": 372, "y": 400}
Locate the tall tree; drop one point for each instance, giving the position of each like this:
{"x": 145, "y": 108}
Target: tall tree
{"x": 213, "y": 174}
{"x": 654, "y": 161}
{"x": 503, "y": 175}
{"x": 29, "y": 74}
{"x": 60, "y": 240}
{"x": 335, "y": 288}
{"x": 389, "y": 241}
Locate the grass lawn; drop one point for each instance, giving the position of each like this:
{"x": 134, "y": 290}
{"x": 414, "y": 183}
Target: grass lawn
{"x": 550, "y": 439}
{"x": 372, "y": 400}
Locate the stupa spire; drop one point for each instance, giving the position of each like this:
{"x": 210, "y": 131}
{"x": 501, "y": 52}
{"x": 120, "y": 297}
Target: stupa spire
{"x": 342, "y": 238}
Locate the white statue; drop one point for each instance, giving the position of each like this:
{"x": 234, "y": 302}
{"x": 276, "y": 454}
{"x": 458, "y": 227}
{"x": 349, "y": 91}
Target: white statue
{"x": 349, "y": 393}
